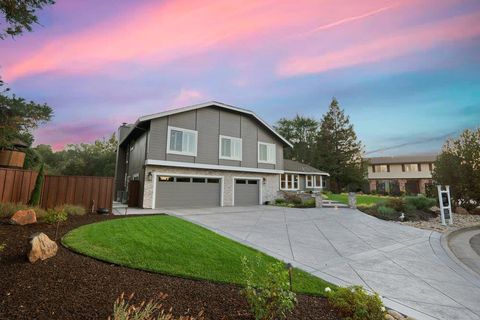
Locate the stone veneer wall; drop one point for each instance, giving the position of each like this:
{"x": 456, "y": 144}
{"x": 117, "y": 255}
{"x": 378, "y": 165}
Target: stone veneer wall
{"x": 270, "y": 186}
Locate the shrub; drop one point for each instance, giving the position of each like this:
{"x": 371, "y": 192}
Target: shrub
{"x": 55, "y": 216}
{"x": 354, "y": 303}
{"x": 396, "y": 203}
{"x": 421, "y": 202}
{"x": 308, "y": 203}
{"x": 39, "y": 212}
{"x": 280, "y": 201}
{"x": 385, "y": 210}
{"x": 293, "y": 198}
{"x": 72, "y": 210}
{"x": 268, "y": 296}
{"x": 37, "y": 190}
{"x": 123, "y": 309}
{"x": 9, "y": 208}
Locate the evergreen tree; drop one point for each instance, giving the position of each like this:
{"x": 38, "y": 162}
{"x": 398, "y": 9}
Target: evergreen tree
{"x": 37, "y": 190}
{"x": 338, "y": 150}
{"x": 302, "y": 133}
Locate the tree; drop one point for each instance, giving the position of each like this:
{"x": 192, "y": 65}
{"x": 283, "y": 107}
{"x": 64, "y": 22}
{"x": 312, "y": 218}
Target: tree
{"x": 97, "y": 159}
{"x": 338, "y": 150}
{"x": 458, "y": 166}
{"x": 20, "y": 15}
{"x": 19, "y": 117}
{"x": 302, "y": 133}
{"x": 37, "y": 190}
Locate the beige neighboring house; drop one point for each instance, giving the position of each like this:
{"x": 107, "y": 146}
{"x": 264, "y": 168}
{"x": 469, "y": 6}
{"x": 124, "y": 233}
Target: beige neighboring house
{"x": 409, "y": 174}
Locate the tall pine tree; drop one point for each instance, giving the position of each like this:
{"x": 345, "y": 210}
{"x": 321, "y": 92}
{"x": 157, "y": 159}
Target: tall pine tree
{"x": 338, "y": 150}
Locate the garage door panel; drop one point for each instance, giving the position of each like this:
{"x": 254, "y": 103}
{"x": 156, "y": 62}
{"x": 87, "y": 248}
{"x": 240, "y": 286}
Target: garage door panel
{"x": 187, "y": 194}
{"x": 247, "y": 192}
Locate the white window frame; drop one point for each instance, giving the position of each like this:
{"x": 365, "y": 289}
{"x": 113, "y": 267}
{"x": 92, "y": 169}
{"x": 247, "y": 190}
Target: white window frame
{"x": 195, "y": 133}
{"x": 231, "y": 150}
{"x": 269, "y": 161}
{"x": 313, "y": 181}
{"x": 289, "y": 177}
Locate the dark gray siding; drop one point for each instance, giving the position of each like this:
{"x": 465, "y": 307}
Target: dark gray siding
{"x": 136, "y": 158}
{"x": 120, "y": 170}
{"x": 211, "y": 122}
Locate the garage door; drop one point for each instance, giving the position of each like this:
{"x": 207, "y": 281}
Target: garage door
{"x": 247, "y": 192}
{"x": 187, "y": 192}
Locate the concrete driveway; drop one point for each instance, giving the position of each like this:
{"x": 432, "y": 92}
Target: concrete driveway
{"x": 407, "y": 266}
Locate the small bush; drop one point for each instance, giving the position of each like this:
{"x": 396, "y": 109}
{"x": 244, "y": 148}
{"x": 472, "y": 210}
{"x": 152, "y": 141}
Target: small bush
{"x": 9, "y": 208}
{"x": 269, "y": 296}
{"x": 293, "y": 198}
{"x": 354, "y": 303}
{"x": 309, "y": 203}
{"x": 279, "y": 201}
{"x": 39, "y": 212}
{"x": 421, "y": 202}
{"x": 123, "y": 309}
{"x": 385, "y": 210}
{"x": 72, "y": 210}
{"x": 54, "y": 216}
{"x": 396, "y": 203}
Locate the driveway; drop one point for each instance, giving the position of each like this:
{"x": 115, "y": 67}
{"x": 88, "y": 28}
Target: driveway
{"x": 407, "y": 266}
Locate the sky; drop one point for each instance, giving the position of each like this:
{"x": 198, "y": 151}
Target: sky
{"x": 407, "y": 72}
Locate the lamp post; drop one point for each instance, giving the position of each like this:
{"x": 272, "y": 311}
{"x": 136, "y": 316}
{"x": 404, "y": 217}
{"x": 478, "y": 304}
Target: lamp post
{"x": 289, "y": 267}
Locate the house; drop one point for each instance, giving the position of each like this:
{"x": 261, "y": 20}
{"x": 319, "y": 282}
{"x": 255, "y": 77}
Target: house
{"x": 300, "y": 177}
{"x": 408, "y": 174}
{"x": 210, "y": 154}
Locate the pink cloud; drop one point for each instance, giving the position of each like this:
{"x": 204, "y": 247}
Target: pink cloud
{"x": 187, "y": 97}
{"x": 385, "y": 47}
{"x": 159, "y": 33}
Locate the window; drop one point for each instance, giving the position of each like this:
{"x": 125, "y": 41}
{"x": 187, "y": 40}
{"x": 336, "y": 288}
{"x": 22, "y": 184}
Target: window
{"x": 252, "y": 182}
{"x": 210, "y": 180}
{"x": 198, "y": 180}
{"x": 179, "y": 179}
{"x": 241, "y": 181}
{"x": 431, "y": 166}
{"x": 381, "y": 168}
{"x": 411, "y": 167}
{"x": 266, "y": 153}
{"x": 289, "y": 181}
{"x": 165, "y": 179}
{"x": 313, "y": 181}
{"x": 230, "y": 148}
{"x": 182, "y": 141}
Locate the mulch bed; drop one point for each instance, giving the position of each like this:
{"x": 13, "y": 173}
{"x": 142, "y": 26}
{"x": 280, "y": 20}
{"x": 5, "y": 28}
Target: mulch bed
{"x": 72, "y": 286}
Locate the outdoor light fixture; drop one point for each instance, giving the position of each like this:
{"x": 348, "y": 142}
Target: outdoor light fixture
{"x": 149, "y": 177}
{"x": 289, "y": 267}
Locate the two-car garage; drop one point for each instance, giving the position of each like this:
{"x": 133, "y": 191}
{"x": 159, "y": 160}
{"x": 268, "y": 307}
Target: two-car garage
{"x": 194, "y": 191}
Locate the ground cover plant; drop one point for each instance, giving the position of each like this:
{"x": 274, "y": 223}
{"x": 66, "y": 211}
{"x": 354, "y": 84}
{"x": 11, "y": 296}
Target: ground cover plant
{"x": 354, "y": 303}
{"x": 7, "y": 209}
{"x": 294, "y": 201}
{"x": 173, "y": 246}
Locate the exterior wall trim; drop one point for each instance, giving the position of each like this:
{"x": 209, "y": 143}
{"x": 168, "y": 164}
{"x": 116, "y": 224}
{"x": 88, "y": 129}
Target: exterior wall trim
{"x": 260, "y": 180}
{"x": 156, "y": 174}
{"x": 308, "y": 173}
{"x": 207, "y": 166}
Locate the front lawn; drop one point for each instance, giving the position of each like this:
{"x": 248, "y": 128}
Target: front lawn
{"x": 176, "y": 247}
{"x": 362, "y": 199}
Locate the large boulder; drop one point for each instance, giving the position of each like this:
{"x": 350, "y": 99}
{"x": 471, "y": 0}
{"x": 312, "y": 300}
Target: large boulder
{"x": 23, "y": 217}
{"x": 41, "y": 247}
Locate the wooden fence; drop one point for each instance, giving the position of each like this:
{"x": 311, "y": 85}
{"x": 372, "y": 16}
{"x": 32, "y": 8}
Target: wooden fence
{"x": 17, "y": 186}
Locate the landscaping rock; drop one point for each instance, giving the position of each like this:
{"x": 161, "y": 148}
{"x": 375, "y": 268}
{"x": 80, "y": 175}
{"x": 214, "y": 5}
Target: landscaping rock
{"x": 435, "y": 209}
{"x": 460, "y": 210}
{"x": 41, "y": 247}
{"x": 389, "y": 317}
{"x": 23, "y": 217}
{"x": 395, "y": 315}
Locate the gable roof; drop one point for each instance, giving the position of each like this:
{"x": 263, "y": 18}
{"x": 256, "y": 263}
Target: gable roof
{"x": 403, "y": 159}
{"x": 204, "y": 105}
{"x": 298, "y": 167}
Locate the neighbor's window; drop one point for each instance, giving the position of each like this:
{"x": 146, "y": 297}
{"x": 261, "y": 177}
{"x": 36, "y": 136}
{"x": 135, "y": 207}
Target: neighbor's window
{"x": 309, "y": 181}
{"x": 381, "y": 168}
{"x": 313, "y": 181}
{"x": 289, "y": 181}
{"x": 411, "y": 167}
{"x": 266, "y": 152}
{"x": 318, "y": 181}
{"x": 182, "y": 141}
{"x": 230, "y": 148}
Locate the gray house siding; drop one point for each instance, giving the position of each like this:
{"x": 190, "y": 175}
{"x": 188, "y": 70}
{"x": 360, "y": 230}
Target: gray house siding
{"x": 136, "y": 158}
{"x": 211, "y": 122}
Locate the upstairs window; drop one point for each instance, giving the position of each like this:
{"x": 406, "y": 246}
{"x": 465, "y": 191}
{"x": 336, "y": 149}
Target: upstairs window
{"x": 266, "y": 153}
{"x": 182, "y": 141}
{"x": 230, "y": 148}
{"x": 381, "y": 168}
{"x": 411, "y": 167}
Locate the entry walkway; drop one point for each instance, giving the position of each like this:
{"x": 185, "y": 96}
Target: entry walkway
{"x": 407, "y": 266}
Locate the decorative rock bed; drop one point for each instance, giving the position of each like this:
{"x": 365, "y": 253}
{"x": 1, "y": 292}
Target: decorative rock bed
{"x": 459, "y": 221}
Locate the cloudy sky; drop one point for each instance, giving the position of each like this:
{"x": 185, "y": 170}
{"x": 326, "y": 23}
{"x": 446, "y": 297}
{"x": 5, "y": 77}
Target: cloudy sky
{"x": 406, "y": 71}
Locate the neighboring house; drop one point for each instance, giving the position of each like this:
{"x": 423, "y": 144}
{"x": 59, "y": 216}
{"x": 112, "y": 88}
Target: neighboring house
{"x": 409, "y": 174}
{"x": 210, "y": 154}
{"x": 300, "y": 177}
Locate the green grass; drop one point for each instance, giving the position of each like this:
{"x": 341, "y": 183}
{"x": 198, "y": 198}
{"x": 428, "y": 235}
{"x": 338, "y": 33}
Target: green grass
{"x": 362, "y": 199}
{"x": 172, "y": 246}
